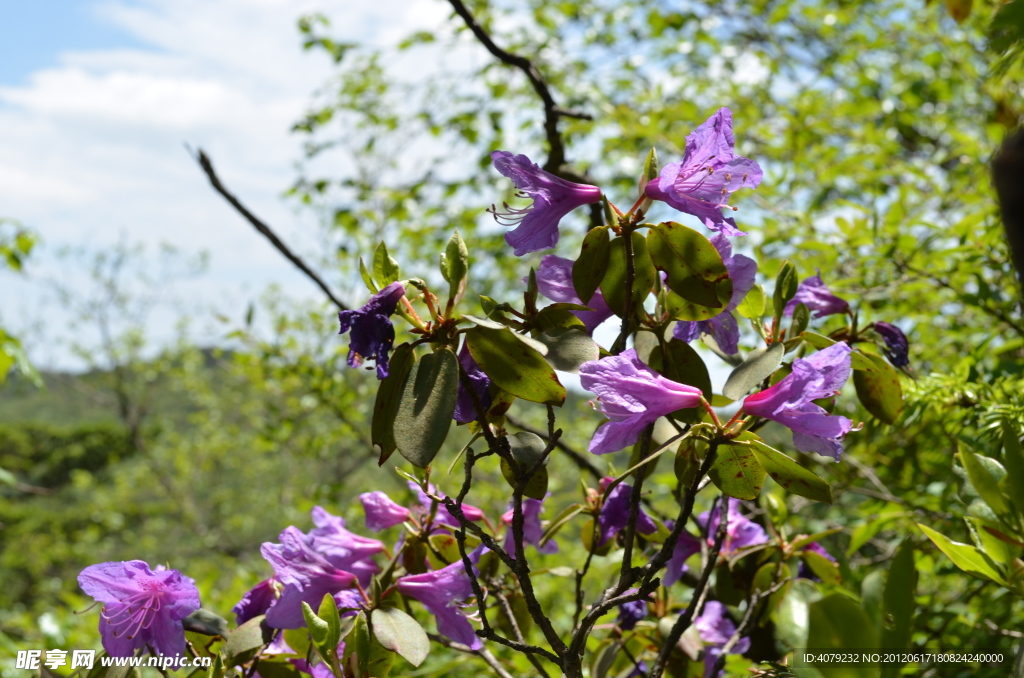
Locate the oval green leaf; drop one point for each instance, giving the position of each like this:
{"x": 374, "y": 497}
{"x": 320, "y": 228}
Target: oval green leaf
{"x": 880, "y": 391}
{"x": 759, "y": 364}
{"x": 790, "y": 475}
{"x": 514, "y": 366}
{"x": 389, "y": 394}
{"x": 613, "y": 284}
{"x": 589, "y": 268}
{"x": 425, "y": 411}
{"x": 737, "y": 472}
{"x": 400, "y": 633}
{"x": 694, "y": 267}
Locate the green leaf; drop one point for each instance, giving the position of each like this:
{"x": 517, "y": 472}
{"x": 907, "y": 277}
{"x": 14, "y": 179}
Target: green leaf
{"x": 824, "y": 568}
{"x": 613, "y": 284}
{"x": 737, "y": 472}
{"x": 483, "y": 322}
{"x": 385, "y": 268}
{"x": 651, "y": 165}
{"x": 785, "y": 287}
{"x": 398, "y": 632}
{"x": 569, "y": 347}
{"x": 858, "y": 360}
{"x": 898, "y": 603}
{"x": 319, "y": 629}
{"x": 801, "y": 318}
{"x": 425, "y": 411}
{"x": 514, "y": 366}
{"x": 791, "y": 475}
{"x": 389, "y": 396}
{"x": 880, "y": 391}
{"x": 357, "y": 647}
{"x": 1013, "y": 459}
{"x": 837, "y": 623}
{"x": 250, "y": 635}
{"x": 206, "y": 623}
{"x": 984, "y": 483}
{"x": 527, "y": 448}
{"x": 684, "y": 365}
{"x": 759, "y": 364}
{"x": 367, "y": 280}
{"x": 329, "y": 613}
{"x": 791, "y": 616}
{"x": 589, "y": 269}
{"x": 455, "y": 264}
{"x": 752, "y": 306}
{"x": 966, "y": 557}
{"x": 694, "y": 267}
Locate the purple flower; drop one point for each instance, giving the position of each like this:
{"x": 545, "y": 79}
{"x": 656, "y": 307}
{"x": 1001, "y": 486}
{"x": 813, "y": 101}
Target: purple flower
{"x": 710, "y": 170}
{"x": 805, "y": 571}
{"x": 256, "y": 601}
{"x": 439, "y": 590}
{"x": 141, "y": 608}
{"x": 553, "y": 198}
{"x": 615, "y": 513}
{"x": 532, "y": 530}
{"x": 632, "y": 396}
{"x": 789, "y": 402}
{"x": 554, "y": 280}
{"x": 307, "y": 576}
{"x": 442, "y": 516}
{"x": 381, "y": 512}
{"x": 740, "y": 532}
{"x": 685, "y": 547}
{"x": 813, "y": 293}
{"x": 632, "y": 612}
{"x": 716, "y": 629}
{"x": 465, "y": 405}
{"x": 281, "y": 646}
{"x": 897, "y": 347}
{"x": 723, "y": 327}
{"x": 343, "y": 549}
{"x": 372, "y": 331}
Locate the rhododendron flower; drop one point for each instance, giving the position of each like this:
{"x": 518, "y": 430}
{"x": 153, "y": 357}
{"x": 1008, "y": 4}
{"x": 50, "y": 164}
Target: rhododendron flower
{"x": 897, "y": 347}
{"x": 615, "y": 513}
{"x": 709, "y": 172}
{"x": 141, "y": 608}
{"x": 685, "y": 547}
{"x": 814, "y": 294}
{"x": 532, "y": 530}
{"x": 554, "y": 281}
{"x": 256, "y": 601}
{"x": 790, "y": 402}
{"x": 307, "y": 576}
{"x": 740, "y": 532}
{"x": 632, "y": 612}
{"x": 723, "y": 327}
{"x": 439, "y": 591}
{"x": 632, "y": 396}
{"x": 372, "y": 331}
{"x": 553, "y": 198}
{"x": 343, "y": 549}
{"x": 381, "y": 512}
{"x": 716, "y": 629}
{"x": 465, "y": 405}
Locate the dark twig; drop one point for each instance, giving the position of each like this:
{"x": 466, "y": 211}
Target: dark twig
{"x": 552, "y": 111}
{"x": 517, "y": 632}
{"x": 577, "y": 458}
{"x": 483, "y": 653}
{"x": 626, "y": 571}
{"x": 752, "y": 613}
{"x": 207, "y": 165}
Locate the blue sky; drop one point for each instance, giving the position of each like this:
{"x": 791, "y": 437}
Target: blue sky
{"x": 34, "y": 33}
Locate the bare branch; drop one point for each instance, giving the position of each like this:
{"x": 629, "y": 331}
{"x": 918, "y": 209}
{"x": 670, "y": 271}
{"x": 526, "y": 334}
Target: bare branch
{"x": 207, "y": 165}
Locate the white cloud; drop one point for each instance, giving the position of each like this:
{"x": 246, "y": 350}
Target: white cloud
{"x": 94, "y": 146}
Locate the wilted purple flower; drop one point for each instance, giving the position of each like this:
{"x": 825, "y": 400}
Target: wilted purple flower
{"x": 554, "y": 280}
{"x": 343, "y": 549}
{"x": 897, "y": 347}
{"x": 615, "y": 513}
{"x": 632, "y": 612}
{"x": 372, "y": 331}
{"x": 307, "y": 576}
{"x": 710, "y": 170}
{"x": 141, "y": 608}
{"x": 442, "y": 516}
{"x": 465, "y": 405}
{"x": 553, "y": 198}
{"x": 790, "y": 402}
{"x": 532, "y": 530}
{"x": 256, "y": 601}
{"x": 632, "y": 396}
{"x": 740, "y": 532}
{"x": 439, "y": 590}
{"x": 685, "y": 547}
{"x": 805, "y": 571}
{"x": 716, "y": 629}
{"x": 814, "y": 294}
{"x": 723, "y": 327}
{"x": 381, "y": 512}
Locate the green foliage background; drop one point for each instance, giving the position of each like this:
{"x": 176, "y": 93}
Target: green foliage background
{"x": 874, "y": 121}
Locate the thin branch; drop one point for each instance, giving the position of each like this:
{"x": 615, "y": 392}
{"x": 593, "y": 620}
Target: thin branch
{"x": 752, "y": 613}
{"x": 517, "y": 632}
{"x": 552, "y": 111}
{"x": 577, "y": 458}
{"x": 483, "y": 653}
{"x": 207, "y": 165}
